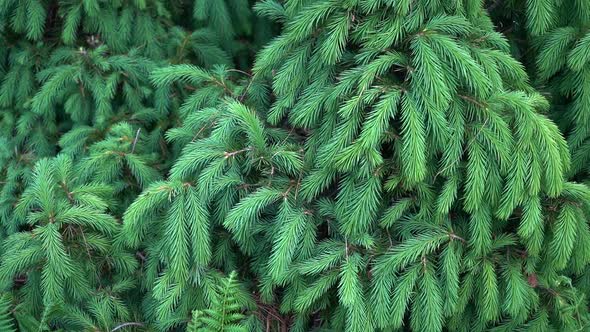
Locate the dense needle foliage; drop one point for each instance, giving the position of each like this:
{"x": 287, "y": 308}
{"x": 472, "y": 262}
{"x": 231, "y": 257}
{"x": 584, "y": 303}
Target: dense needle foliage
{"x": 295, "y": 165}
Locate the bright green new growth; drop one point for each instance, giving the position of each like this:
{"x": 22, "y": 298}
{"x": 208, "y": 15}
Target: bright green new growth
{"x": 439, "y": 105}
{"x": 370, "y": 165}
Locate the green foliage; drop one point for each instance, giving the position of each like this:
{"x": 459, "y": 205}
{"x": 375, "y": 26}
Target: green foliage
{"x": 6, "y": 320}
{"x": 225, "y": 311}
{"x": 301, "y": 165}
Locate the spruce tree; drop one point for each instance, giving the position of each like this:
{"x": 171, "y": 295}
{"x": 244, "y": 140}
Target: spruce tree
{"x": 557, "y": 34}
{"x": 378, "y": 165}
{"x": 414, "y": 182}
{"x": 440, "y": 166}
{"x": 83, "y": 133}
